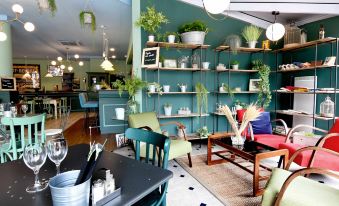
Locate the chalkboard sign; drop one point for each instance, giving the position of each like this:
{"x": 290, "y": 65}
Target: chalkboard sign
{"x": 7, "y": 84}
{"x": 150, "y": 57}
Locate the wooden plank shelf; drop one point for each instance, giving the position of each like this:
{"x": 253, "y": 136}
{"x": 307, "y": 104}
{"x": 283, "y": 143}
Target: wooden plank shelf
{"x": 316, "y": 116}
{"x": 241, "y": 49}
{"x": 176, "y": 45}
{"x": 237, "y": 70}
{"x": 165, "y": 93}
{"x": 307, "y": 44}
{"x": 306, "y": 68}
{"x": 182, "y": 116}
{"x": 242, "y": 92}
{"x": 176, "y": 69}
{"x": 310, "y": 92}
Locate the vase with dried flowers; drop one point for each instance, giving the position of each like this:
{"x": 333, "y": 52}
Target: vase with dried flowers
{"x": 252, "y": 112}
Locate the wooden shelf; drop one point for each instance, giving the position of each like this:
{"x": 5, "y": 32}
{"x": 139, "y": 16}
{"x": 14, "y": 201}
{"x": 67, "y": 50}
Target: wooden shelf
{"x": 242, "y": 92}
{"x": 307, "y": 44}
{"x": 176, "y": 69}
{"x": 165, "y": 93}
{"x": 310, "y": 92}
{"x": 176, "y": 45}
{"x": 286, "y": 112}
{"x": 237, "y": 70}
{"x": 241, "y": 49}
{"x": 306, "y": 68}
{"x": 182, "y": 116}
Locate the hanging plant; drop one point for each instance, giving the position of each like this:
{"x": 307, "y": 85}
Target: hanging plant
{"x": 151, "y": 20}
{"x": 264, "y": 96}
{"x": 87, "y": 18}
{"x": 48, "y": 4}
{"x": 202, "y": 98}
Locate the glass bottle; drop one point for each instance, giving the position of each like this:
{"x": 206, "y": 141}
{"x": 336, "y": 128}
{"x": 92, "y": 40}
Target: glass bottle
{"x": 321, "y": 32}
{"x": 327, "y": 107}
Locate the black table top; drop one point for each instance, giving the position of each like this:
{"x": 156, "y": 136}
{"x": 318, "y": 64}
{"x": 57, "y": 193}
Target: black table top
{"x": 136, "y": 179}
{"x": 251, "y": 147}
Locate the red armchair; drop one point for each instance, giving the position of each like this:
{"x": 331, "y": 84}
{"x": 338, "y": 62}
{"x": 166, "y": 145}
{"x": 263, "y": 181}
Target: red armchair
{"x": 319, "y": 158}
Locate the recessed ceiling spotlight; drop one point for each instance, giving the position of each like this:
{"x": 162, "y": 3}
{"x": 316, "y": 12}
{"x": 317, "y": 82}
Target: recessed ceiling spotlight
{"x": 53, "y": 63}
{"x": 76, "y": 56}
{"x": 59, "y": 59}
{"x": 112, "y": 49}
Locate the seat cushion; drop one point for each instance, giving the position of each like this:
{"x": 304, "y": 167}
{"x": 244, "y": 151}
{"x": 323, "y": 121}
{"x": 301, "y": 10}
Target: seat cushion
{"x": 301, "y": 192}
{"x": 91, "y": 104}
{"x": 145, "y": 119}
{"x": 333, "y": 142}
{"x": 271, "y": 140}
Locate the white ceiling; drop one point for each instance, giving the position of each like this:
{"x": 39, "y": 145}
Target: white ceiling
{"x": 114, "y": 14}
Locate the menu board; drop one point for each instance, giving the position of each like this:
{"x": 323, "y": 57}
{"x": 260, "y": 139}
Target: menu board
{"x": 7, "y": 84}
{"x": 150, "y": 57}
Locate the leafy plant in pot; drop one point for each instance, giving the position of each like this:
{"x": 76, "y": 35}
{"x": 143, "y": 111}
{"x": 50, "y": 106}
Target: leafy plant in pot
{"x": 151, "y": 22}
{"x": 168, "y": 109}
{"x": 193, "y": 33}
{"x": 251, "y": 34}
{"x": 203, "y": 132}
{"x": 202, "y": 98}
{"x": 47, "y": 5}
{"x": 87, "y": 18}
{"x": 170, "y": 37}
{"x": 264, "y": 96}
{"x": 132, "y": 86}
{"x": 154, "y": 87}
{"x": 235, "y": 64}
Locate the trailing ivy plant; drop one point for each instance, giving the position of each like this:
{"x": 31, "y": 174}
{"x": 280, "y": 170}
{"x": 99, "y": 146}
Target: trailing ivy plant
{"x": 202, "y": 98}
{"x": 151, "y": 20}
{"x": 82, "y": 20}
{"x": 264, "y": 96}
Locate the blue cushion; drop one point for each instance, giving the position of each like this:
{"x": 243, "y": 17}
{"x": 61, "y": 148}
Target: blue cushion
{"x": 262, "y": 125}
{"x": 91, "y": 104}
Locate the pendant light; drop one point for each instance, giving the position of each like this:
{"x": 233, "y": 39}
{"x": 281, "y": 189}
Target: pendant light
{"x": 275, "y": 31}
{"x": 106, "y": 64}
{"x": 27, "y": 75}
{"x": 216, "y": 6}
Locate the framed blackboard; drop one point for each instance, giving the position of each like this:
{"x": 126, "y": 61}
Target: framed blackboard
{"x": 150, "y": 57}
{"x": 7, "y": 84}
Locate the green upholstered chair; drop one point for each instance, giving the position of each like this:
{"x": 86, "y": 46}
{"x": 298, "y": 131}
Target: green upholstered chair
{"x": 285, "y": 188}
{"x": 149, "y": 120}
{"x": 157, "y": 149}
{"x": 20, "y": 139}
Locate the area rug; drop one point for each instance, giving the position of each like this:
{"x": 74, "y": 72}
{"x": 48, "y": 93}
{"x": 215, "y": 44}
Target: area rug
{"x": 230, "y": 184}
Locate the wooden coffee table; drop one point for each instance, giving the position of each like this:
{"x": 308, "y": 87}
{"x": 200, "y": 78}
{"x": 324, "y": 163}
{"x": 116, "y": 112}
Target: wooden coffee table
{"x": 251, "y": 151}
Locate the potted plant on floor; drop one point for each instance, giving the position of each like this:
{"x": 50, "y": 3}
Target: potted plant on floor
{"x": 132, "y": 86}
{"x": 168, "y": 109}
{"x": 193, "y": 33}
{"x": 151, "y": 22}
{"x": 234, "y": 64}
{"x": 264, "y": 96}
{"x": 203, "y": 132}
{"x": 87, "y": 18}
{"x": 251, "y": 34}
{"x": 202, "y": 98}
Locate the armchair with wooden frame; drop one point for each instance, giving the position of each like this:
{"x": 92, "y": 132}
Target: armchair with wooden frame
{"x": 149, "y": 121}
{"x": 285, "y": 188}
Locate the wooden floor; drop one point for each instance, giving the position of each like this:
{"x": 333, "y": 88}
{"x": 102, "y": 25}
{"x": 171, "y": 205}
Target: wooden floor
{"x": 75, "y": 133}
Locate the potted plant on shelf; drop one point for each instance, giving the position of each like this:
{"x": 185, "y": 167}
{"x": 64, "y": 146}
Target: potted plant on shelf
{"x": 202, "y": 98}
{"x": 170, "y": 37}
{"x": 235, "y": 64}
{"x": 132, "y": 86}
{"x": 239, "y": 105}
{"x": 161, "y": 61}
{"x": 151, "y": 22}
{"x": 203, "y": 132}
{"x": 182, "y": 87}
{"x": 193, "y": 33}
{"x": 251, "y": 34}
{"x": 154, "y": 87}
{"x": 47, "y": 5}
{"x": 264, "y": 96}
{"x": 87, "y": 18}
{"x": 168, "y": 109}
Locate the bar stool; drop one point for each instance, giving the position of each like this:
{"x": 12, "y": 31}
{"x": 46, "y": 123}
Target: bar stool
{"x": 88, "y": 105}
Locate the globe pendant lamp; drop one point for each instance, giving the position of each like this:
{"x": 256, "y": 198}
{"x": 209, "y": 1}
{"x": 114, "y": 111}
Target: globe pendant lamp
{"x": 275, "y": 31}
{"x": 216, "y": 6}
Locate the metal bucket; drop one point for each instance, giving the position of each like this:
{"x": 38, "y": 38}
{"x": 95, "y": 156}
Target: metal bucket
{"x": 64, "y": 193}
{"x": 193, "y": 37}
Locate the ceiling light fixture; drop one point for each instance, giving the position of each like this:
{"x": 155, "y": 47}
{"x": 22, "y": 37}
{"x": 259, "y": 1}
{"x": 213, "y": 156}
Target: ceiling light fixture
{"x": 275, "y": 31}
{"x": 81, "y": 63}
{"x": 213, "y": 7}
{"x": 112, "y": 49}
{"x": 18, "y": 10}
{"x": 114, "y": 57}
{"x": 76, "y": 56}
{"x": 59, "y": 59}
{"x": 106, "y": 64}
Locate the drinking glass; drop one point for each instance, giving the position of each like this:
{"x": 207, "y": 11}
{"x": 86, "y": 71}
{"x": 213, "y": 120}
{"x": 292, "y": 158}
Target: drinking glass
{"x": 24, "y": 108}
{"x": 57, "y": 151}
{"x": 34, "y": 157}
{"x": 14, "y": 111}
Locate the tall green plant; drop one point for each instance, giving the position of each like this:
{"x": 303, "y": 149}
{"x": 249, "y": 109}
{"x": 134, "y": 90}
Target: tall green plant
{"x": 151, "y": 20}
{"x": 251, "y": 33}
{"x": 202, "y": 97}
{"x": 264, "y": 96}
{"x": 82, "y": 20}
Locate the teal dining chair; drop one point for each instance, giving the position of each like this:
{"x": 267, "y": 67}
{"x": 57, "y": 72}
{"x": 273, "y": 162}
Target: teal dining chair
{"x": 24, "y": 136}
{"x": 158, "y": 146}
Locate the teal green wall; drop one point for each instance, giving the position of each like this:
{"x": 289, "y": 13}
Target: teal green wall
{"x": 6, "y": 69}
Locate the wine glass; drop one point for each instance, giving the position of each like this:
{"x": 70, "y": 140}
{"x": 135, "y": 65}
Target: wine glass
{"x": 24, "y": 108}
{"x": 57, "y": 151}
{"x": 34, "y": 157}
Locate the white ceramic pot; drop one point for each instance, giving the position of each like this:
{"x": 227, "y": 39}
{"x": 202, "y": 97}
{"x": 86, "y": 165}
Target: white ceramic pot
{"x": 120, "y": 113}
{"x": 237, "y": 89}
{"x": 183, "y": 88}
{"x": 151, "y": 88}
{"x": 205, "y": 65}
{"x": 166, "y": 88}
{"x": 251, "y": 44}
{"x": 151, "y": 38}
{"x": 171, "y": 38}
{"x": 160, "y": 64}
{"x": 235, "y": 67}
{"x": 193, "y": 37}
{"x": 168, "y": 111}
{"x": 221, "y": 89}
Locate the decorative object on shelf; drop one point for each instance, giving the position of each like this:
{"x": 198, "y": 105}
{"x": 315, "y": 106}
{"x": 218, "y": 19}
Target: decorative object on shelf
{"x": 275, "y": 31}
{"x": 193, "y": 33}
{"x": 161, "y": 61}
{"x": 205, "y": 65}
{"x": 322, "y": 32}
{"x": 237, "y": 89}
{"x": 202, "y": 98}
{"x": 254, "y": 85}
{"x": 235, "y": 64}
{"x": 222, "y": 87}
{"x": 251, "y": 114}
{"x": 264, "y": 96}
{"x": 203, "y": 132}
{"x": 150, "y": 57}
{"x": 184, "y": 111}
{"x": 170, "y": 37}
{"x": 239, "y": 105}
{"x": 47, "y": 5}
{"x": 265, "y": 44}
{"x": 18, "y": 10}
{"x": 285, "y": 67}
{"x": 251, "y": 34}
{"x": 228, "y": 89}
{"x": 330, "y": 61}
{"x": 151, "y": 22}
{"x": 183, "y": 87}
{"x": 221, "y": 67}
{"x": 292, "y": 36}
{"x": 234, "y": 42}
{"x": 170, "y": 63}
{"x": 183, "y": 61}
{"x": 327, "y": 107}
{"x": 154, "y": 87}
{"x": 87, "y": 19}
{"x": 303, "y": 36}
{"x": 166, "y": 88}
{"x": 195, "y": 61}
{"x": 168, "y": 109}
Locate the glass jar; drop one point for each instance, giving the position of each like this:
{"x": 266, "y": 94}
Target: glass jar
{"x": 327, "y": 107}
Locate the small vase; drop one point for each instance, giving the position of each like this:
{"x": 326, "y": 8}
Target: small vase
{"x": 205, "y": 65}
{"x": 251, "y": 44}
{"x": 235, "y": 67}
{"x": 151, "y": 38}
{"x": 171, "y": 39}
{"x": 183, "y": 88}
{"x": 151, "y": 88}
{"x": 168, "y": 111}
{"x": 166, "y": 88}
